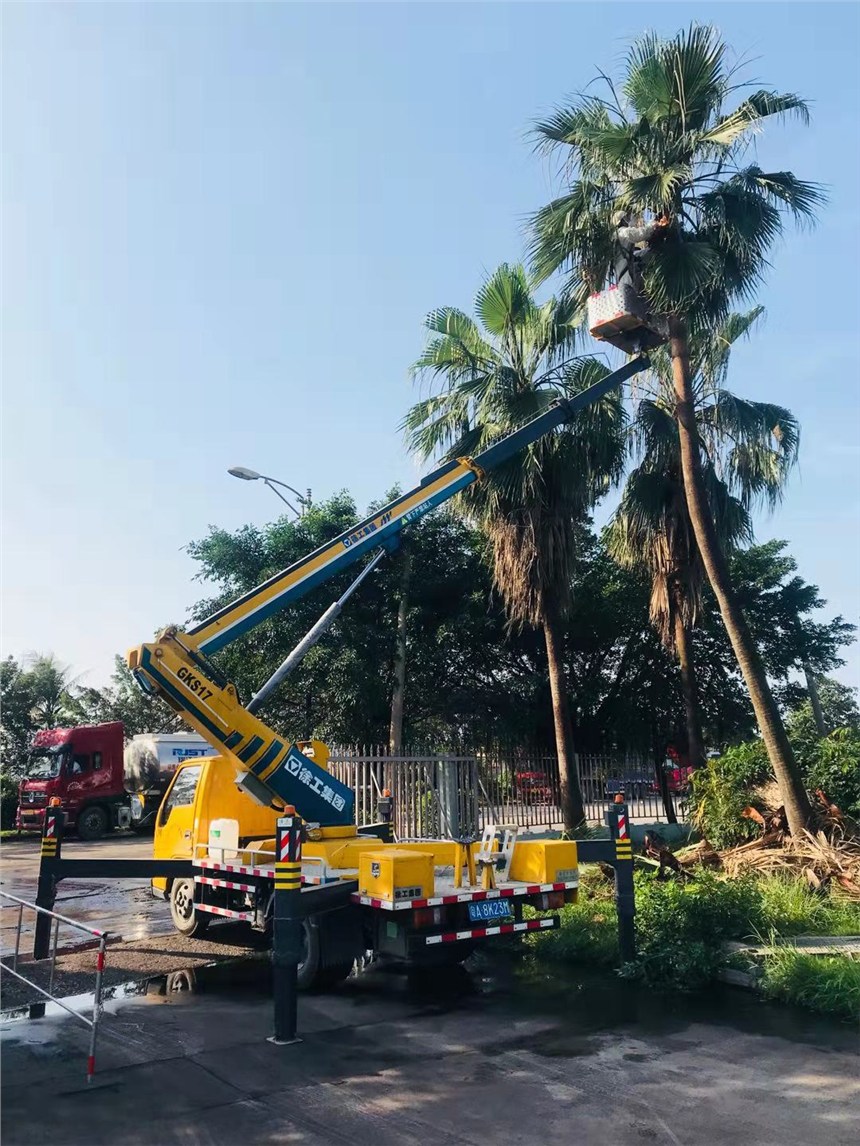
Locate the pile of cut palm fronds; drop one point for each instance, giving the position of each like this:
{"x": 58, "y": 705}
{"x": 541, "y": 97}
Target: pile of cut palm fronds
{"x": 827, "y": 859}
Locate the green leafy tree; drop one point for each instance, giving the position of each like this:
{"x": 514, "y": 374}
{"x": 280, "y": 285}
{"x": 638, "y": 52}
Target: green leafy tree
{"x": 17, "y": 724}
{"x": 124, "y": 701}
{"x": 838, "y": 704}
{"x": 493, "y": 375}
{"x": 671, "y": 146}
{"x": 652, "y": 530}
{"x": 466, "y": 680}
{"x": 779, "y": 606}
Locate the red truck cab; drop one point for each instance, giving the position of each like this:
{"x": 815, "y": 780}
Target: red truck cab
{"x": 84, "y": 768}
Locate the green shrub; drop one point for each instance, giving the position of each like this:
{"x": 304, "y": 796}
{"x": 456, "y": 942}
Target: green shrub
{"x": 828, "y": 983}
{"x": 8, "y": 801}
{"x": 722, "y": 790}
{"x": 681, "y": 927}
{"x": 835, "y": 769}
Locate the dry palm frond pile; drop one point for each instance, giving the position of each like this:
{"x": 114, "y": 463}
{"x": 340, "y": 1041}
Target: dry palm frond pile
{"x": 828, "y": 858}
{"x": 825, "y": 858}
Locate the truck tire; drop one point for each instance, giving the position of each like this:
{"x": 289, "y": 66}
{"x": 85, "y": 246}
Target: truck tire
{"x": 186, "y": 919}
{"x": 92, "y": 823}
{"x": 311, "y": 975}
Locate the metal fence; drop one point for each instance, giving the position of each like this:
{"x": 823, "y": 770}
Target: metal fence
{"x": 11, "y": 964}
{"x": 439, "y": 794}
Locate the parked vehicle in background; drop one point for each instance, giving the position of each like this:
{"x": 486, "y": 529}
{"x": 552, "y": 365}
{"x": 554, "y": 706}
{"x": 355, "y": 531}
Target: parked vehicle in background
{"x": 101, "y": 783}
{"x": 533, "y": 788}
{"x": 631, "y": 783}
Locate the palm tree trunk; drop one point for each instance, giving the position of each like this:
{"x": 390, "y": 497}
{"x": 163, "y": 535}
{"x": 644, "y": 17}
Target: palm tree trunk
{"x": 572, "y": 809}
{"x": 395, "y": 731}
{"x": 659, "y": 756}
{"x": 814, "y": 699}
{"x": 692, "y": 711}
{"x": 779, "y": 751}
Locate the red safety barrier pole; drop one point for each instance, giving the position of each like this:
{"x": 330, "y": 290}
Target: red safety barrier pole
{"x": 97, "y": 1008}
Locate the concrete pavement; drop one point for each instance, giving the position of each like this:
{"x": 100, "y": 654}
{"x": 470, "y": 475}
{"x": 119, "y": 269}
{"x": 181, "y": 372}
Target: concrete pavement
{"x": 483, "y": 1057}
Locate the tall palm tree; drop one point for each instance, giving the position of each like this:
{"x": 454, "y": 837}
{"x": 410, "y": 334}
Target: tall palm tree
{"x": 651, "y": 529}
{"x": 667, "y": 147}
{"x": 495, "y": 374}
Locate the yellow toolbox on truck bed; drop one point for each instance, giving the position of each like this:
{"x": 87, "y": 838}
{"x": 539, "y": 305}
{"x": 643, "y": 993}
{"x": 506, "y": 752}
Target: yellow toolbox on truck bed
{"x": 395, "y": 874}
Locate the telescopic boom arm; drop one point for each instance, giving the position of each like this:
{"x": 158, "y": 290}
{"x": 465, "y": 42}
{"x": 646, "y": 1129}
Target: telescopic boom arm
{"x": 176, "y": 667}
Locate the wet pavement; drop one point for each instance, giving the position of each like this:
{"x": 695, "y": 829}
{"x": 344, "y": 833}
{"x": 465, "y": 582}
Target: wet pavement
{"x": 499, "y": 1052}
{"x": 124, "y": 907}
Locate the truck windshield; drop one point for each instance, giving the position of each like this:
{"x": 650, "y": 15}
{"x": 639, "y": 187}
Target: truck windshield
{"x": 44, "y": 766}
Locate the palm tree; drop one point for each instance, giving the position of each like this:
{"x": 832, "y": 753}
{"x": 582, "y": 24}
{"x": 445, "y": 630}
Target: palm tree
{"x": 651, "y": 529}
{"x": 667, "y": 147}
{"x": 496, "y": 374}
{"x": 53, "y": 690}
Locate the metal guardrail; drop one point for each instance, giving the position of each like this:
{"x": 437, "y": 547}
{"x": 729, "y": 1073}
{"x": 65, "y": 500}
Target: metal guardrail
{"x": 55, "y": 920}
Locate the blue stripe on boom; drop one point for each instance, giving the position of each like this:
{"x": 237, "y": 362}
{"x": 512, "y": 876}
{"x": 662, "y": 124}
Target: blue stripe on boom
{"x": 219, "y": 639}
{"x": 268, "y": 756}
{"x": 253, "y": 745}
{"x": 233, "y": 739}
{"x": 150, "y": 668}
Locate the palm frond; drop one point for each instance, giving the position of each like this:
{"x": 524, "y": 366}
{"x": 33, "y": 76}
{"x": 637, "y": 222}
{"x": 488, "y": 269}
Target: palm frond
{"x": 682, "y": 79}
{"x": 677, "y": 274}
{"x": 784, "y": 189}
{"x": 504, "y": 300}
{"x": 750, "y": 114}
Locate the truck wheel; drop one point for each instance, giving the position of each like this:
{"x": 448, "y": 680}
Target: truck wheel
{"x": 186, "y": 920}
{"x": 92, "y": 823}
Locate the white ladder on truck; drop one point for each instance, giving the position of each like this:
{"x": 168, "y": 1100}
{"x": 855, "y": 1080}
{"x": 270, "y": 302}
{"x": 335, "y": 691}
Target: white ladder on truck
{"x": 499, "y": 860}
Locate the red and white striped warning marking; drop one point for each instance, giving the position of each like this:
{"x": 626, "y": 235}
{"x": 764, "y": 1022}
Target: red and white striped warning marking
{"x": 502, "y": 929}
{"x": 622, "y": 827}
{"x": 244, "y": 916}
{"x": 465, "y": 896}
{"x": 235, "y": 868}
{"x": 210, "y": 881}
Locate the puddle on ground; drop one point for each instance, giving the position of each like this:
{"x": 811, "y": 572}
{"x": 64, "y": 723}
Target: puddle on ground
{"x": 583, "y": 1002}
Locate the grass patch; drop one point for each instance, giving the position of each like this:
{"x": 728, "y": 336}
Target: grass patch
{"x": 789, "y": 906}
{"x": 588, "y": 934}
{"x": 827, "y": 983}
{"x": 681, "y": 928}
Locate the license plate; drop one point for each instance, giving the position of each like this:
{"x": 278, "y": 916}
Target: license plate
{"x": 486, "y": 909}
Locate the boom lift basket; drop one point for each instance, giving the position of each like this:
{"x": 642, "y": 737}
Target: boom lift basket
{"x": 619, "y": 316}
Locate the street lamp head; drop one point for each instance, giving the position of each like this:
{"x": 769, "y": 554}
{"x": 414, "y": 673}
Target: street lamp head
{"x": 244, "y": 473}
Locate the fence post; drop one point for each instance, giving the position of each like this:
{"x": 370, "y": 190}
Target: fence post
{"x": 287, "y": 927}
{"x": 46, "y": 890}
{"x": 625, "y": 901}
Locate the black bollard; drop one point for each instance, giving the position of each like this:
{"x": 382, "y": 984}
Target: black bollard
{"x": 287, "y": 928}
{"x": 625, "y": 902}
{"x": 46, "y": 890}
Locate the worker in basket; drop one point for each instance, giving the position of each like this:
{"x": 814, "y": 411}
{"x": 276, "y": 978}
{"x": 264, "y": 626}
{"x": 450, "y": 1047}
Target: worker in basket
{"x": 620, "y": 314}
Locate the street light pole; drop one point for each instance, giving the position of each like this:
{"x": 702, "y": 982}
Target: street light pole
{"x": 245, "y": 474}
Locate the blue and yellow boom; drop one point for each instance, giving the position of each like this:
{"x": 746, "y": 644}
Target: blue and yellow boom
{"x": 176, "y": 666}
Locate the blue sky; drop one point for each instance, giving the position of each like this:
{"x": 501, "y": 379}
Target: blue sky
{"x": 222, "y": 226}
